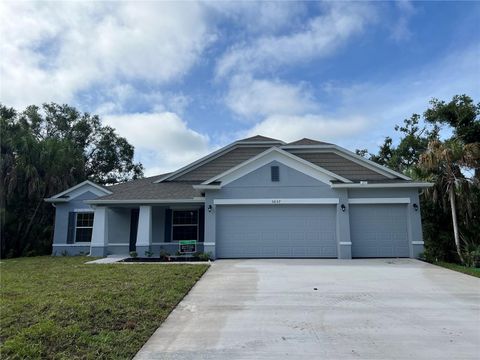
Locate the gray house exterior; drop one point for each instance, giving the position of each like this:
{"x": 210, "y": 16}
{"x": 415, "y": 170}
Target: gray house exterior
{"x": 255, "y": 198}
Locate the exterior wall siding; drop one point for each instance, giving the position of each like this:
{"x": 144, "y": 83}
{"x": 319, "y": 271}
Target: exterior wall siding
{"x": 60, "y": 246}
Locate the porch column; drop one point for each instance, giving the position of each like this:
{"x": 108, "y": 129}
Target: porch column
{"x": 99, "y": 244}
{"x": 144, "y": 232}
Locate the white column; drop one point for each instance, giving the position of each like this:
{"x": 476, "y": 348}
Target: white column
{"x": 99, "y": 242}
{"x": 144, "y": 232}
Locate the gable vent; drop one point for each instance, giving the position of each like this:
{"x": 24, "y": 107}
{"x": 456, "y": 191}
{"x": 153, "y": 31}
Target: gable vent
{"x": 275, "y": 173}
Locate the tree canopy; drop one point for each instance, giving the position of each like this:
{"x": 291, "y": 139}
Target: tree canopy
{"x": 43, "y": 152}
{"x": 451, "y": 209}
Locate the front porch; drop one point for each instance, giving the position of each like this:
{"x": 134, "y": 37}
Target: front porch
{"x": 148, "y": 230}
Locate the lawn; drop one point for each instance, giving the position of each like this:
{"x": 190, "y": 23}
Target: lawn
{"x": 60, "y": 308}
{"x": 460, "y": 268}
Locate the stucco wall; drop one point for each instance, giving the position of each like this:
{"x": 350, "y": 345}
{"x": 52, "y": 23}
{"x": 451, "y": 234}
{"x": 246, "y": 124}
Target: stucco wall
{"x": 62, "y": 210}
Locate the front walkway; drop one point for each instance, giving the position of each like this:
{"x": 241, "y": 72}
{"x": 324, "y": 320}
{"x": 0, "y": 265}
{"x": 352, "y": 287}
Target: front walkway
{"x": 323, "y": 309}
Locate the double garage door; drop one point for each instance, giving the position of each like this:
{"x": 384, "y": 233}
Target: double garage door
{"x": 309, "y": 231}
{"x": 283, "y": 231}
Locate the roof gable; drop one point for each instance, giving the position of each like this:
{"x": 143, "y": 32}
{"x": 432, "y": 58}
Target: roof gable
{"x": 275, "y": 154}
{"x": 78, "y": 190}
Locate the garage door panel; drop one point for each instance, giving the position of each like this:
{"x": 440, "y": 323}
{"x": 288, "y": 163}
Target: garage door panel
{"x": 276, "y": 231}
{"x": 379, "y": 230}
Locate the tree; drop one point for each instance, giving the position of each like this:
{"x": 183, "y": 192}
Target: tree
{"x": 44, "y": 152}
{"x": 452, "y": 206}
{"x": 444, "y": 162}
{"x": 460, "y": 113}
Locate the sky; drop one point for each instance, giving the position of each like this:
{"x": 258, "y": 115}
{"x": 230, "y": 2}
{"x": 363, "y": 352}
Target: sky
{"x": 181, "y": 79}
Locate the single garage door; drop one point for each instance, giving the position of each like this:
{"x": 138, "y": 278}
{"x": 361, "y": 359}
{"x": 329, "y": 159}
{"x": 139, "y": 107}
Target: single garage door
{"x": 283, "y": 231}
{"x": 379, "y": 230}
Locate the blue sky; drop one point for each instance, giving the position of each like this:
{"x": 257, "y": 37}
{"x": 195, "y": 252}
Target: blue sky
{"x": 178, "y": 80}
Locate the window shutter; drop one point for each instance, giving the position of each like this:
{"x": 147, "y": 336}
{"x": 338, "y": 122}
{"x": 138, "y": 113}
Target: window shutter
{"x": 71, "y": 228}
{"x": 168, "y": 225}
{"x": 201, "y": 224}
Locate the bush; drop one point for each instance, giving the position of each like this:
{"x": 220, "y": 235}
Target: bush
{"x": 133, "y": 254}
{"x": 148, "y": 253}
{"x": 203, "y": 256}
{"x": 471, "y": 254}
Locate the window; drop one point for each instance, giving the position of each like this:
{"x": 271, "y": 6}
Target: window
{"x": 275, "y": 172}
{"x": 84, "y": 227}
{"x": 184, "y": 225}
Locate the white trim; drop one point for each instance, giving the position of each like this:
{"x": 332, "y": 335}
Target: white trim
{"x": 86, "y": 182}
{"x": 209, "y": 243}
{"x": 84, "y": 210}
{"x": 385, "y": 185}
{"x": 282, "y": 156}
{"x": 379, "y": 201}
{"x": 418, "y": 243}
{"x": 75, "y": 244}
{"x": 345, "y": 243}
{"x": 118, "y": 244}
{"x": 145, "y": 201}
{"x": 276, "y": 201}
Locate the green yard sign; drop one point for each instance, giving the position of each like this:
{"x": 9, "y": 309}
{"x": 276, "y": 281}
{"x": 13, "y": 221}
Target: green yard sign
{"x": 187, "y": 246}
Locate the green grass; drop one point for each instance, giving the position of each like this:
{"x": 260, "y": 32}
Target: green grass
{"x": 460, "y": 268}
{"x": 60, "y": 308}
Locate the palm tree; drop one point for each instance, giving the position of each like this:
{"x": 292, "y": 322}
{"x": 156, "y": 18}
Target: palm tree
{"x": 446, "y": 163}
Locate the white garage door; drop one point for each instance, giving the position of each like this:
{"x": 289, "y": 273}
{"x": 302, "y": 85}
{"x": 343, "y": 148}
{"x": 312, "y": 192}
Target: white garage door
{"x": 281, "y": 231}
{"x": 379, "y": 230}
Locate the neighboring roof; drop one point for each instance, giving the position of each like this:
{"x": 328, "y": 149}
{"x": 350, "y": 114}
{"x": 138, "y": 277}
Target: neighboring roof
{"x": 260, "y": 138}
{"x": 306, "y": 141}
{"x": 341, "y": 166}
{"x": 222, "y": 163}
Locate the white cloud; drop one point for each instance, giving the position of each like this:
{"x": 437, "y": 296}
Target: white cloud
{"x": 319, "y": 127}
{"x": 163, "y": 141}
{"x": 400, "y": 29}
{"x": 51, "y": 51}
{"x": 266, "y": 17}
{"x": 250, "y": 97}
{"x": 319, "y": 38}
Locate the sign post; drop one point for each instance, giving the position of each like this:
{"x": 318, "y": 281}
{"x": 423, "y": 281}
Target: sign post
{"x": 187, "y": 246}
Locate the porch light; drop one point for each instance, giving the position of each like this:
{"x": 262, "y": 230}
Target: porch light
{"x": 415, "y": 207}
{"x": 343, "y": 207}
{"x": 209, "y": 208}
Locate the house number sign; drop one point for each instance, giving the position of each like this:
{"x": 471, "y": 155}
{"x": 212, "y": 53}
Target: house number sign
{"x": 276, "y": 201}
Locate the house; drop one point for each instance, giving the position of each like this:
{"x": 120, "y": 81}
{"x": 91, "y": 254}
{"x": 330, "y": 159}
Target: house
{"x": 255, "y": 198}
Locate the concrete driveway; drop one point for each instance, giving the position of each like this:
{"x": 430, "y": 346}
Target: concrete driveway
{"x": 323, "y": 309}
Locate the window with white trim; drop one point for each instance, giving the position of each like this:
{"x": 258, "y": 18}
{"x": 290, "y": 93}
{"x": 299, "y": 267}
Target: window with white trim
{"x": 184, "y": 225}
{"x": 83, "y": 226}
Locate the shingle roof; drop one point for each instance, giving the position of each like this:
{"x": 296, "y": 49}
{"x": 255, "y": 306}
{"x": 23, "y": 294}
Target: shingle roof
{"x": 341, "y": 166}
{"x": 306, "y": 141}
{"x": 146, "y": 189}
{"x": 222, "y": 163}
{"x": 260, "y": 138}
{"x": 181, "y": 187}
